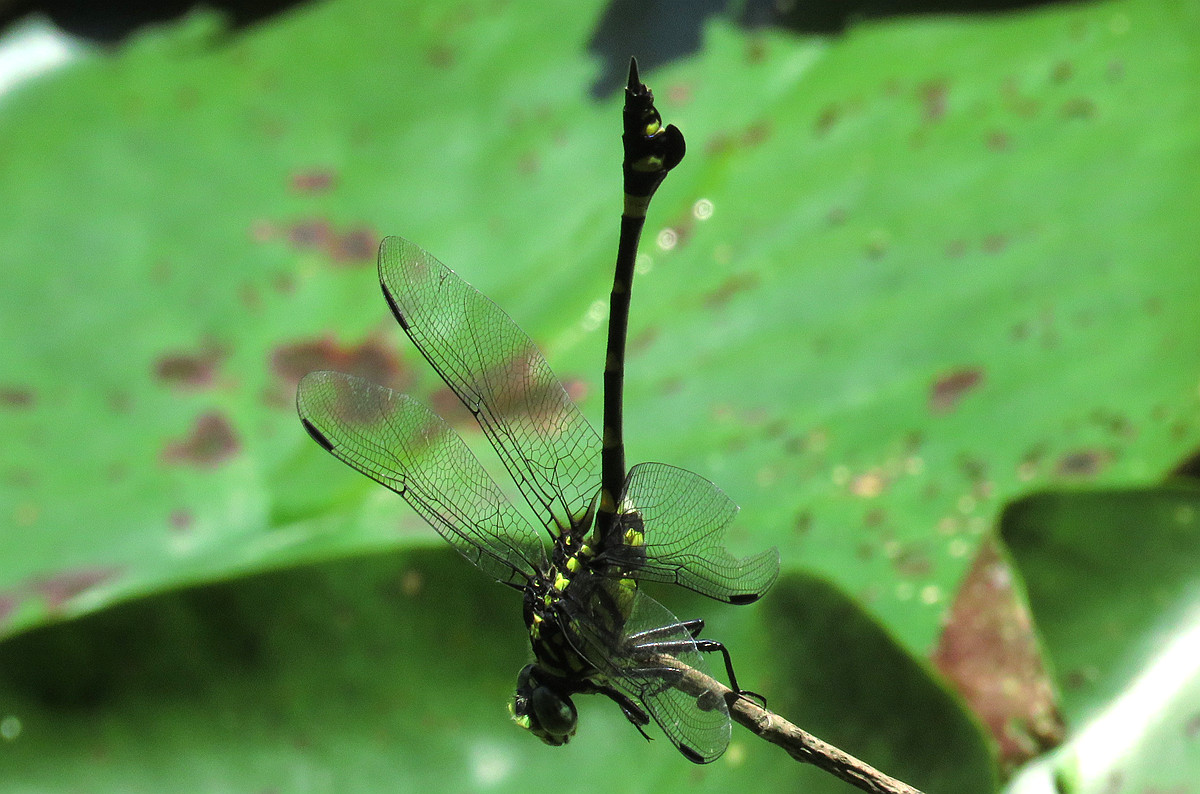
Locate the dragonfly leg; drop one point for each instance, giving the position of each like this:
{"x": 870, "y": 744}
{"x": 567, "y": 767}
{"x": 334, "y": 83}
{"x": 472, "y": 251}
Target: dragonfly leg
{"x": 694, "y": 628}
{"x": 632, "y": 711}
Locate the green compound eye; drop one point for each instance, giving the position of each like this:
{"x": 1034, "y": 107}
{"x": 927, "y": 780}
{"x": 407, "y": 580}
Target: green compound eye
{"x": 542, "y": 710}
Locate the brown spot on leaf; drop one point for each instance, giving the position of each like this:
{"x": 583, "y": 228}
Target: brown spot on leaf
{"x": 995, "y": 243}
{"x": 211, "y": 442}
{"x": 309, "y": 233}
{"x": 998, "y": 140}
{"x": 1079, "y": 108}
{"x": 1031, "y": 462}
{"x": 445, "y": 403}
{"x": 372, "y": 360}
{"x": 933, "y": 99}
{"x": 1083, "y": 463}
{"x": 828, "y": 117}
{"x": 1115, "y": 423}
{"x": 119, "y": 402}
{"x": 989, "y": 652}
{"x": 196, "y": 370}
{"x": 529, "y": 163}
{"x": 948, "y": 389}
{"x": 57, "y": 589}
{"x": 16, "y": 397}
{"x": 644, "y": 339}
{"x": 1014, "y": 101}
{"x": 679, "y": 94}
{"x": 263, "y": 231}
{"x": 317, "y": 180}
{"x": 738, "y": 282}
{"x": 284, "y": 283}
{"x": 913, "y": 564}
{"x": 440, "y": 56}
{"x": 956, "y": 248}
{"x": 182, "y": 520}
{"x": 577, "y": 389}
{"x": 753, "y": 135}
{"x": 354, "y": 246}
{"x": 541, "y": 404}
{"x": 8, "y": 604}
{"x": 755, "y": 50}
{"x": 250, "y": 297}
{"x": 757, "y": 133}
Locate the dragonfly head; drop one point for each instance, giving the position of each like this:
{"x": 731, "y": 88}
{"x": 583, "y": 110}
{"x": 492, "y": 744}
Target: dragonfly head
{"x": 542, "y": 709}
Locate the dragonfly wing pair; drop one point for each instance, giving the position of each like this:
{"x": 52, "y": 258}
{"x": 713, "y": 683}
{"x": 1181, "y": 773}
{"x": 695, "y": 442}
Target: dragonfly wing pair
{"x": 671, "y": 524}
{"x": 683, "y": 518}
{"x": 401, "y": 444}
{"x": 493, "y": 366}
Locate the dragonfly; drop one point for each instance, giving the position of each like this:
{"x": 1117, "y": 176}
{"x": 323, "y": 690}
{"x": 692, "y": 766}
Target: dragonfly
{"x": 580, "y": 550}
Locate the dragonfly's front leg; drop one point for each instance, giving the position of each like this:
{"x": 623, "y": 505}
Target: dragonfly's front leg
{"x": 632, "y": 711}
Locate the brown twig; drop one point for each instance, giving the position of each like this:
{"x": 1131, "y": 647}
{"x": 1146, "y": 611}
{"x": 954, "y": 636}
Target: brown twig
{"x": 799, "y": 744}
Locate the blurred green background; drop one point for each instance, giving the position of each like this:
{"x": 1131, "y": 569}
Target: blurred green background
{"x": 921, "y": 299}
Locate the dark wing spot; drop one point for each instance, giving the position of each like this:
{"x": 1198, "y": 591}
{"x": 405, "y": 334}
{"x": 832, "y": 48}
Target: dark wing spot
{"x": 396, "y": 311}
{"x": 317, "y": 435}
{"x": 212, "y": 441}
{"x": 951, "y": 387}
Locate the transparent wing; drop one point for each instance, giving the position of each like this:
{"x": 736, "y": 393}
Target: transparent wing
{"x": 549, "y": 448}
{"x": 401, "y": 444}
{"x": 683, "y": 517}
{"x": 626, "y": 659}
